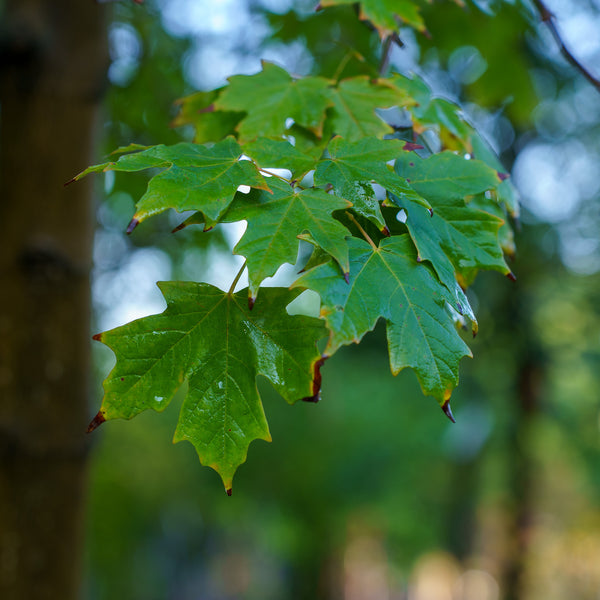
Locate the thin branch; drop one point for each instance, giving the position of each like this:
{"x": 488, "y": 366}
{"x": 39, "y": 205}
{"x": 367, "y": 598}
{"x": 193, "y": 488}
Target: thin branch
{"x": 364, "y": 233}
{"x": 271, "y": 174}
{"x": 237, "y": 278}
{"x": 548, "y": 18}
{"x": 386, "y": 51}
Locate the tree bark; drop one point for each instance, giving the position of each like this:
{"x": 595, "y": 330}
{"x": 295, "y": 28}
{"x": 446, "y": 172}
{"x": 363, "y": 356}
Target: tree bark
{"x": 53, "y": 60}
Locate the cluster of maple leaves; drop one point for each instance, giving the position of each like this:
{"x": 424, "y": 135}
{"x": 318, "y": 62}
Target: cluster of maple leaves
{"x": 398, "y": 230}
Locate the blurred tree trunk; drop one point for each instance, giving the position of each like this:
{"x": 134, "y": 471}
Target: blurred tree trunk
{"x": 53, "y": 60}
{"x": 527, "y": 398}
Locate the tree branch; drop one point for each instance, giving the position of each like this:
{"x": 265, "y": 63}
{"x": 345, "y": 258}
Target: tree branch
{"x": 548, "y": 18}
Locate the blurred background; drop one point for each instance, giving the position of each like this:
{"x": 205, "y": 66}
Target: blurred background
{"x": 372, "y": 493}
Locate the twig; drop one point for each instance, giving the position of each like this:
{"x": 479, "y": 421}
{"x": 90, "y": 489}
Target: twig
{"x": 271, "y": 174}
{"x": 386, "y": 51}
{"x": 237, "y": 278}
{"x": 548, "y": 18}
{"x": 365, "y": 234}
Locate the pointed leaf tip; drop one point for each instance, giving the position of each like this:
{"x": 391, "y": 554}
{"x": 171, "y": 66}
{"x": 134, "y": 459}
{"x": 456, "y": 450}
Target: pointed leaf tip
{"x": 430, "y": 211}
{"x": 96, "y": 422}
{"x": 347, "y": 277}
{"x": 386, "y": 231}
{"x": 503, "y": 176}
{"x": 316, "y": 388}
{"x": 409, "y": 146}
{"x": 511, "y": 276}
{"x": 251, "y": 301}
{"x": 448, "y": 411}
{"x": 132, "y": 225}
{"x": 97, "y": 337}
{"x": 228, "y": 491}
{"x": 66, "y": 183}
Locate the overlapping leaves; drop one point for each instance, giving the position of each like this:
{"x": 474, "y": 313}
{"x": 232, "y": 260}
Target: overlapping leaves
{"x": 195, "y": 177}
{"x": 388, "y": 282}
{"x": 455, "y": 237}
{"x": 269, "y": 103}
{"x": 395, "y": 232}
{"x": 386, "y": 15}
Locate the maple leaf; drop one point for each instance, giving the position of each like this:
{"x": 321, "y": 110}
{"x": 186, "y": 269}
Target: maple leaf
{"x": 210, "y": 339}
{"x": 355, "y": 100}
{"x": 195, "y": 177}
{"x": 351, "y": 167}
{"x": 276, "y": 219}
{"x": 281, "y": 154}
{"x": 383, "y": 14}
{"x": 271, "y": 97}
{"x": 506, "y": 191}
{"x": 388, "y": 282}
{"x": 456, "y": 238}
{"x": 210, "y": 125}
{"x": 445, "y": 117}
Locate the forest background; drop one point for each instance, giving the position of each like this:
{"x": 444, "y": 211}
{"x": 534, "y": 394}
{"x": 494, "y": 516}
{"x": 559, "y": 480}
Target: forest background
{"x": 371, "y": 493}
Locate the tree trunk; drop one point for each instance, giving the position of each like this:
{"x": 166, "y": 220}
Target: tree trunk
{"x": 53, "y": 60}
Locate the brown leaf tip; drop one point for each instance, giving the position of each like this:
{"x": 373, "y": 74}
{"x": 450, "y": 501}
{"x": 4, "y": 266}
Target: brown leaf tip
{"x": 503, "y": 176}
{"x": 511, "y": 276}
{"x": 251, "y": 302}
{"x": 228, "y": 491}
{"x": 316, "y": 388}
{"x": 66, "y": 183}
{"x": 347, "y": 277}
{"x": 97, "y": 337}
{"x": 430, "y": 211}
{"x": 132, "y": 225}
{"x": 448, "y": 411}
{"x": 386, "y": 231}
{"x": 409, "y": 146}
{"x": 96, "y": 422}
{"x": 208, "y": 109}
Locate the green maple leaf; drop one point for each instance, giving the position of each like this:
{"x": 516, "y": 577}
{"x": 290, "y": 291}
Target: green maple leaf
{"x": 210, "y": 339}
{"x": 351, "y": 167}
{"x": 457, "y": 237}
{"x": 210, "y": 125}
{"x": 276, "y": 219}
{"x": 195, "y": 177}
{"x": 383, "y": 14}
{"x": 281, "y": 154}
{"x": 388, "y": 282}
{"x": 505, "y": 192}
{"x": 445, "y": 117}
{"x": 271, "y": 97}
{"x": 355, "y": 101}
{"x": 446, "y": 175}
